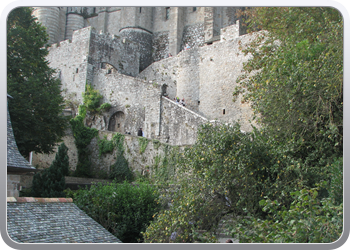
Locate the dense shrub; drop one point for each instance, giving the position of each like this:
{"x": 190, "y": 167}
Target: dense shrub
{"x": 92, "y": 98}
{"x": 308, "y": 220}
{"x": 120, "y": 170}
{"x": 123, "y": 209}
{"x": 51, "y": 182}
{"x": 230, "y": 171}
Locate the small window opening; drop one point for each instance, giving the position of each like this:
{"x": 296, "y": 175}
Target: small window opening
{"x": 140, "y": 9}
{"x": 167, "y": 13}
{"x": 199, "y": 102}
{"x": 194, "y": 9}
{"x": 109, "y": 71}
{"x": 223, "y": 111}
{"x": 118, "y": 125}
{"x": 77, "y": 70}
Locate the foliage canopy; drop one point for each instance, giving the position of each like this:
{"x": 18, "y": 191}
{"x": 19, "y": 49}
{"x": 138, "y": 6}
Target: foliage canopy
{"x": 36, "y": 110}
{"x": 285, "y": 176}
{"x": 294, "y": 78}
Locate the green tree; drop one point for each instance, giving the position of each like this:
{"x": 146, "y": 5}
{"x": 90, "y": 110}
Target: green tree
{"x": 294, "y": 78}
{"x": 51, "y": 182}
{"x": 36, "y": 110}
{"x": 294, "y": 82}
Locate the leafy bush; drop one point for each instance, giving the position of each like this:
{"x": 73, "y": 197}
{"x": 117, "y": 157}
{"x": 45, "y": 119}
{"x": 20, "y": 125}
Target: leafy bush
{"x": 92, "y": 98}
{"x": 335, "y": 189}
{"x": 120, "y": 170}
{"x": 164, "y": 168}
{"x": 230, "y": 171}
{"x": 51, "y": 182}
{"x": 104, "y": 107}
{"x": 105, "y": 146}
{"x": 123, "y": 209}
{"x": 308, "y": 220}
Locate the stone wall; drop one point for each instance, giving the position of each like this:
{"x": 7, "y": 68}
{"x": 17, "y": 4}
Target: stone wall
{"x": 206, "y": 78}
{"x": 138, "y": 161}
{"x": 41, "y": 161}
{"x": 163, "y": 72}
{"x": 220, "y": 65}
{"x": 76, "y": 61}
{"x": 122, "y": 54}
{"x": 193, "y": 35}
{"x": 160, "y": 45}
{"x": 136, "y": 99}
{"x": 70, "y": 59}
{"x": 13, "y": 185}
{"x": 179, "y": 125}
{"x": 144, "y": 39}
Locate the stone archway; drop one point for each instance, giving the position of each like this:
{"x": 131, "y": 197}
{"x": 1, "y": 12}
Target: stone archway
{"x": 116, "y": 123}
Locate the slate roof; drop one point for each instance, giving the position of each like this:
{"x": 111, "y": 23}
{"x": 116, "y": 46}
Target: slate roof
{"x": 52, "y": 220}
{"x": 15, "y": 161}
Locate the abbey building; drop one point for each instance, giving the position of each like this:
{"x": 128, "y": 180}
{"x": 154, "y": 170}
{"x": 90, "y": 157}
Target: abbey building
{"x": 136, "y": 58}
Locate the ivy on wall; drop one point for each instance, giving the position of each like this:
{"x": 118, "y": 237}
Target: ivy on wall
{"x": 164, "y": 171}
{"x": 120, "y": 170}
{"x": 105, "y": 146}
{"x": 82, "y": 138}
{"x": 143, "y": 142}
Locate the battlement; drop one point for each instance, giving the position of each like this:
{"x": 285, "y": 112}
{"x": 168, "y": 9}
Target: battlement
{"x": 123, "y": 52}
{"x": 126, "y": 60}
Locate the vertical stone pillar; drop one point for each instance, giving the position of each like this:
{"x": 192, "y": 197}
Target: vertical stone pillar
{"x": 102, "y": 21}
{"x": 208, "y": 23}
{"x": 177, "y": 16}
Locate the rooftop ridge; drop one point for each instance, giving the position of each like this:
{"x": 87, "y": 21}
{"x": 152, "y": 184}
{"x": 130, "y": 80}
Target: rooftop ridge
{"x": 38, "y": 200}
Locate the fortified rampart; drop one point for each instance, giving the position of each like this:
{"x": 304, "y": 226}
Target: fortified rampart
{"x": 167, "y": 29}
{"x": 206, "y": 77}
{"x": 122, "y": 41}
{"x": 76, "y": 60}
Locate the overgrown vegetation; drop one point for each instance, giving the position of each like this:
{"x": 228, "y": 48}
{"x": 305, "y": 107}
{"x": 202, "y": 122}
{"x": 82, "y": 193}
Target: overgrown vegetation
{"x": 92, "y": 100}
{"x": 164, "y": 168}
{"x": 51, "y": 182}
{"x": 83, "y": 135}
{"x": 123, "y": 209}
{"x": 143, "y": 142}
{"x": 82, "y": 138}
{"x": 120, "y": 170}
{"x": 282, "y": 182}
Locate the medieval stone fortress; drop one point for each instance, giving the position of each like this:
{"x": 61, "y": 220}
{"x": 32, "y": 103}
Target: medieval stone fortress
{"x": 135, "y": 58}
